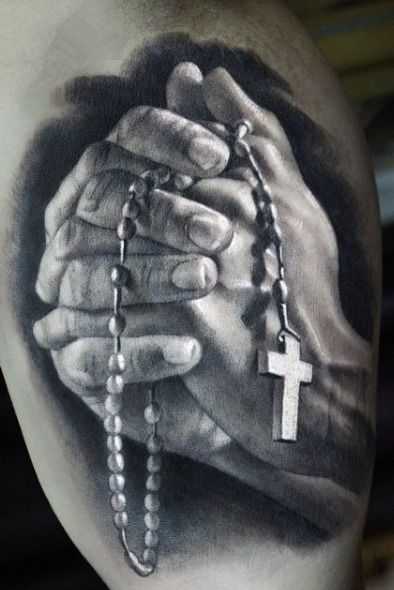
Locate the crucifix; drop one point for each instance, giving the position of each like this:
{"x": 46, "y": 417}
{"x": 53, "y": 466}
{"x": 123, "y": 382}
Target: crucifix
{"x": 287, "y": 363}
{"x": 294, "y": 372}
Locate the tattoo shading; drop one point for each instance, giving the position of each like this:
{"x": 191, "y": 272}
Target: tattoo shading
{"x": 190, "y": 285}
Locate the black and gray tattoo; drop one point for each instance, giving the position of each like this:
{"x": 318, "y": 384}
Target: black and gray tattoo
{"x": 191, "y": 286}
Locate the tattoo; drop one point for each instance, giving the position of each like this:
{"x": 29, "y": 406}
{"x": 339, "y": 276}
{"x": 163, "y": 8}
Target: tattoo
{"x": 191, "y": 269}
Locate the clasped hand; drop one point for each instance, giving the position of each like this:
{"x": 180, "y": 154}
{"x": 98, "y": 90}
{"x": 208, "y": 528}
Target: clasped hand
{"x": 196, "y": 311}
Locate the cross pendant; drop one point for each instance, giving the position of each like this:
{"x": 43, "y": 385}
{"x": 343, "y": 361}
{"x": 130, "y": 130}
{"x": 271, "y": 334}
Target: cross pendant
{"x": 293, "y": 371}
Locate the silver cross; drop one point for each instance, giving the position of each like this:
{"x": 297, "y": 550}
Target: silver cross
{"x": 294, "y": 372}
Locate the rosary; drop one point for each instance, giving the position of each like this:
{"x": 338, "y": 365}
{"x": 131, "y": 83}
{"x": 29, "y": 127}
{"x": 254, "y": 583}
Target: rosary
{"x": 284, "y": 363}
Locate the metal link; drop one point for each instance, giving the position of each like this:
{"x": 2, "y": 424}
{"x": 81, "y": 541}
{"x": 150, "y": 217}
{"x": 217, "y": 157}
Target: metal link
{"x": 267, "y": 221}
{"x": 270, "y": 227}
{"x": 139, "y": 189}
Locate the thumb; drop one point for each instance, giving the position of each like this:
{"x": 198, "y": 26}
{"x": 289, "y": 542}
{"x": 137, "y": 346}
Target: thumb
{"x": 184, "y": 92}
{"x": 228, "y": 103}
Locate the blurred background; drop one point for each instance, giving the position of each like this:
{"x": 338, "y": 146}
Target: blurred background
{"x": 358, "y": 40}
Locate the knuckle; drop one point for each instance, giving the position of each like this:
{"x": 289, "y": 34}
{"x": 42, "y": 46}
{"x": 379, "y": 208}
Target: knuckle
{"x": 146, "y": 278}
{"x": 93, "y": 159}
{"x": 67, "y": 372}
{"x": 106, "y": 184}
{"x": 270, "y": 154}
{"x": 272, "y": 150}
{"x": 192, "y": 129}
{"x": 69, "y": 321}
{"x": 63, "y": 321}
{"x": 144, "y": 359}
{"x": 42, "y": 287}
{"x": 51, "y": 330}
{"x": 83, "y": 359}
{"x": 65, "y": 239}
{"x": 135, "y": 115}
{"x": 54, "y": 210}
{"x": 162, "y": 211}
{"x": 272, "y": 119}
{"x": 79, "y": 362}
{"x": 74, "y": 288}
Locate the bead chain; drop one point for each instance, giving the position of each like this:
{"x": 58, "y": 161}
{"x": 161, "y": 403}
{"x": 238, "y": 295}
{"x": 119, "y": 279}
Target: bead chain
{"x": 120, "y": 278}
{"x": 267, "y": 221}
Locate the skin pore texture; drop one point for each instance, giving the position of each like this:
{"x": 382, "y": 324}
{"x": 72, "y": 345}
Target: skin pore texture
{"x": 113, "y": 89}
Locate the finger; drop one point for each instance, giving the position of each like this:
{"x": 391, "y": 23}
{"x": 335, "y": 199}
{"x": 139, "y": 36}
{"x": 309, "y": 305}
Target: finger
{"x": 184, "y": 92}
{"x": 275, "y": 160}
{"x": 233, "y": 198}
{"x": 172, "y": 140}
{"x": 242, "y": 173}
{"x": 63, "y": 325}
{"x": 75, "y": 239}
{"x": 86, "y": 282}
{"x": 151, "y": 358}
{"x": 228, "y": 103}
{"x": 169, "y": 219}
{"x": 96, "y": 158}
{"x": 217, "y": 128}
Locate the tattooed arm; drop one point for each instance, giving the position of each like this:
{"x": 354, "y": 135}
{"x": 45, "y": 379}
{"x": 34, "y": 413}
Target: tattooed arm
{"x": 199, "y": 304}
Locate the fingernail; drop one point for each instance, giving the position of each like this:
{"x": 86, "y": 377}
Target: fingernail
{"x": 200, "y": 273}
{"x": 209, "y": 231}
{"x": 180, "y": 352}
{"x": 208, "y": 153}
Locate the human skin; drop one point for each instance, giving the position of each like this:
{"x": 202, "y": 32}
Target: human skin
{"x": 332, "y": 564}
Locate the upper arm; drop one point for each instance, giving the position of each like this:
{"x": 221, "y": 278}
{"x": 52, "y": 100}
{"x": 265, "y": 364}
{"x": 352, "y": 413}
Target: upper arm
{"x": 235, "y": 492}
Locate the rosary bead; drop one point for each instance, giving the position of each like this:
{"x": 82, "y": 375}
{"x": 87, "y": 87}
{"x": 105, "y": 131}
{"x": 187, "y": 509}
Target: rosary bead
{"x": 115, "y": 384}
{"x": 161, "y": 175}
{"x": 152, "y": 521}
{"x": 153, "y": 482}
{"x": 121, "y": 520}
{"x": 182, "y": 181}
{"x": 261, "y": 204}
{"x": 260, "y": 194}
{"x": 116, "y": 363}
{"x": 126, "y": 229}
{"x": 116, "y": 482}
{"x": 120, "y": 276}
{"x": 116, "y": 325}
{"x": 151, "y": 539}
{"x": 138, "y": 188}
{"x": 154, "y": 463}
{"x": 118, "y": 502}
{"x": 149, "y": 557}
{"x": 154, "y": 444}
{"x": 241, "y": 148}
{"x": 274, "y": 233}
{"x": 113, "y": 424}
{"x": 115, "y": 462}
{"x": 114, "y": 443}
{"x": 131, "y": 209}
{"x": 243, "y": 127}
{"x": 280, "y": 291}
{"x": 152, "y": 502}
{"x": 272, "y": 211}
{"x": 113, "y": 404}
{"x": 152, "y": 413}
